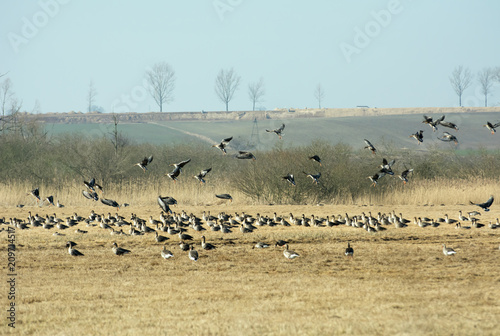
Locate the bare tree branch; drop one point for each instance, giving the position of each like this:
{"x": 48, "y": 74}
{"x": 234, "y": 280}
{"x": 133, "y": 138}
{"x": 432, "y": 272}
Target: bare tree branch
{"x": 91, "y": 94}
{"x": 460, "y": 79}
{"x": 226, "y": 84}
{"x": 319, "y": 94}
{"x": 161, "y": 79}
{"x": 485, "y": 79}
{"x": 256, "y": 92}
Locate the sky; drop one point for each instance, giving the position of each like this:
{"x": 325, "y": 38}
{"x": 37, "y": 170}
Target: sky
{"x": 389, "y": 53}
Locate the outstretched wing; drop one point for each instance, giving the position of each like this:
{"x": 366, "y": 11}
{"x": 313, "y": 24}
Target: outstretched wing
{"x": 226, "y": 140}
{"x": 488, "y": 203}
{"x": 368, "y": 143}
{"x": 281, "y": 128}
{"x": 427, "y": 119}
{"x": 183, "y": 163}
{"x": 439, "y": 120}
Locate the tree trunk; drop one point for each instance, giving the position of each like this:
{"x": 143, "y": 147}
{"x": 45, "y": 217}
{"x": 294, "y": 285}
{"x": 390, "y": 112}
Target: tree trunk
{"x": 227, "y": 106}
{"x": 485, "y": 100}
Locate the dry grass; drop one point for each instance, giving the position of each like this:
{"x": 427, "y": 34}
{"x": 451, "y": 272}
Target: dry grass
{"x": 399, "y": 282}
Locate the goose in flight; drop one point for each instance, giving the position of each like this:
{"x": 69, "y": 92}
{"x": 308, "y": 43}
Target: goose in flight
{"x": 419, "y": 136}
{"x": 289, "y": 178}
{"x": 143, "y": 164}
{"x": 404, "y": 175}
{"x": 486, "y": 205}
{"x": 370, "y": 146}
{"x": 314, "y": 177}
{"x": 110, "y": 202}
{"x": 449, "y": 137}
{"x": 386, "y": 167}
{"x": 225, "y": 196}
{"x": 245, "y": 155}
{"x": 181, "y": 164}
{"x": 222, "y": 145}
{"x": 35, "y": 193}
{"x": 375, "y": 178}
{"x": 449, "y": 125}
{"x": 174, "y": 174}
{"x": 163, "y": 202}
{"x": 278, "y": 131}
{"x": 202, "y": 174}
{"x": 491, "y": 127}
{"x": 432, "y": 123}
{"x": 90, "y": 195}
{"x": 315, "y": 158}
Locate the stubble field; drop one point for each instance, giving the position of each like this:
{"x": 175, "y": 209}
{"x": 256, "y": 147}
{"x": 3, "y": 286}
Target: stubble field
{"x": 398, "y": 282}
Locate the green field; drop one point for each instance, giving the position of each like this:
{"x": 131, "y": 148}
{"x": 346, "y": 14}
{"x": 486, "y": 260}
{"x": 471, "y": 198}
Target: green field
{"x": 383, "y": 131}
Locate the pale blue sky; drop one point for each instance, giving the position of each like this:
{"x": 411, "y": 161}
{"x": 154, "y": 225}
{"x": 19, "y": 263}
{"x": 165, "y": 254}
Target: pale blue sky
{"x": 293, "y": 45}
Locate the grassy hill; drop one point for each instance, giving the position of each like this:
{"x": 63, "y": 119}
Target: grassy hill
{"x": 383, "y": 130}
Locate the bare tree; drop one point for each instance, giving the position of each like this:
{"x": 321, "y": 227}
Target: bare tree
{"x": 161, "y": 79}
{"x": 460, "y": 79}
{"x": 485, "y": 79}
{"x": 226, "y": 83}
{"x": 6, "y": 96}
{"x": 256, "y": 92}
{"x": 319, "y": 94}
{"x": 91, "y": 94}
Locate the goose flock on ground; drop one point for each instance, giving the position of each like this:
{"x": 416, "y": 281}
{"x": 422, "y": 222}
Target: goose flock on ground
{"x": 177, "y": 224}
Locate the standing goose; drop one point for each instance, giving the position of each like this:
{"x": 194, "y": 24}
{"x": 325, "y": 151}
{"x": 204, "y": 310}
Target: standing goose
{"x": 289, "y": 254}
{"x": 222, "y": 145}
{"x": 447, "y": 251}
{"x": 205, "y": 245}
{"x": 349, "y": 251}
{"x": 72, "y": 251}
{"x": 278, "y": 131}
{"x": 193, "y": 254}
{"x": 143, "y": 164}
{"x": 166, "y": 254}
{"x": 118, "y": 250}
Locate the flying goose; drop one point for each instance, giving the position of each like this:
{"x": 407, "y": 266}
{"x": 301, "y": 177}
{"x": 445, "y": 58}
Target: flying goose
{"x": 419, "y": 136}
{"x": 143, "y": 164}
{"x": 289, "y": 178}
{"x": 315, "y": 158}
{"x": 486, "y": 205}
{"x": 222, "y": 145}
{"x": 449, "y": 137}
{"x": 491, "y": 127}
{"x": 314, "y": 177}
{"x": 110, "y": 202}
{"x": 404, "y": 175}
{"x": 181, "y": 164}
{"x": 449, "y": 125}
{"x": 431, "y": 123}
{"x": 370, "y": 146}
{"x": 225, "y": 196}
{"x": 202, "y": 174}
{"x": 245, "y": 156}
{"x": 278, "y": 131}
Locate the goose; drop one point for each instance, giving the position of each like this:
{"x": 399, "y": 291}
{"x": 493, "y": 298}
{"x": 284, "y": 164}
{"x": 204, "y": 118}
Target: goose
{"x": 289, "y": 178}
{"x": 431, "y": 123}
{"x": 118, "y": 250}
{"x": 462, "y": 217}
{"x": 315, "y": 158}
{"x": 449, "y": 137}
{"x": 404, "y": 175}
{"x": 222, "y": 145}
{"x": 260, "y": 245}
{"x": 49, "y": 200}
{"x": 174, "y": 174}
{"x": 447, "y": 251}
{"x": 193, "y": 254}
{"x": 202, "y": 174}
{"x": 166, "y": 254}
{"x": 491, "y": 127}
{"x": 370, "y": 146}
{"x": 185, "y": 236}
{"x": 225, "y": 196}
{"x": 419, "y": 136}
{"x": 349, "y": 251}
{"x": 180, "y": 165}
{"x": 163, "y": 202}
{"x": 278, "y": 131}
{"x": 486, "y": 205}
{"x": 244, "y": 229}
{"x": 184, "y": 246}
{"x": 280, "y": 243}
{"x": 143, "y": 164}
{"x": 110, "y": 203}
{"x": 159, "y": 238}
{"x": 289, "y": 254}
{"x": 35, "y": 193}
{"x": 314, "y": 177}
{"x": 205, "y": 245}
{"x": 449, "y": 125}
{"x": 72, "y": 251}
{"x": 242, "y": 155}
{"x": 375, "y": 178}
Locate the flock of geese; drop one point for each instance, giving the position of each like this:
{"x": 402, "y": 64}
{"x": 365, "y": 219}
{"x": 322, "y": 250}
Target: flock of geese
{"x": 177, "y": 224}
